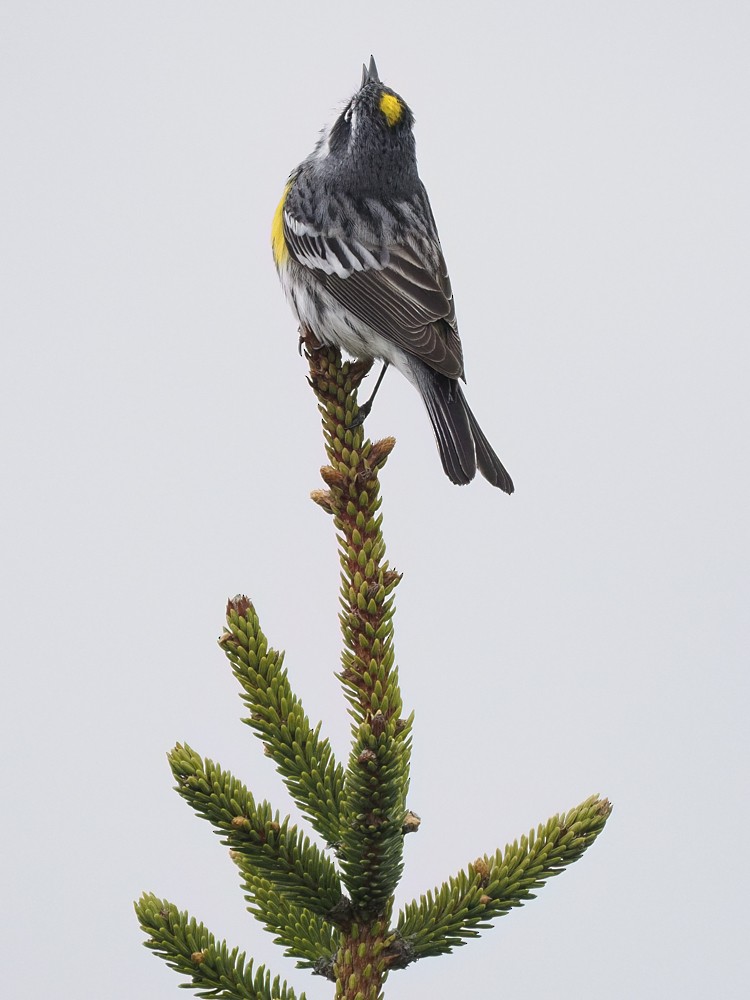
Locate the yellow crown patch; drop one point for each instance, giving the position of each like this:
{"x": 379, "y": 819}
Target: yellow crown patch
{"x": 391, "y": 107}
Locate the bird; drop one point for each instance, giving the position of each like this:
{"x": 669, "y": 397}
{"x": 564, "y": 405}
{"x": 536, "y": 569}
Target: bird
{"x": 357, "y": 251}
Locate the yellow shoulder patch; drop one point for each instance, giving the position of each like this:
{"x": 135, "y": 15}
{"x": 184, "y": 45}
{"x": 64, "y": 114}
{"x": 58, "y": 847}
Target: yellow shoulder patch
{"x": 391, "y": 107}
{"x": 278, "y": 242}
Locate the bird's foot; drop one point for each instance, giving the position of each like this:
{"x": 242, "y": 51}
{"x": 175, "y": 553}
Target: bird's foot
{"x": 362, "y": 414}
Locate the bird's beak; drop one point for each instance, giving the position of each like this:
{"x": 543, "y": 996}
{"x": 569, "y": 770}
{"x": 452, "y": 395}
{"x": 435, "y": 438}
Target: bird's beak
{"x": 369, "y": 73}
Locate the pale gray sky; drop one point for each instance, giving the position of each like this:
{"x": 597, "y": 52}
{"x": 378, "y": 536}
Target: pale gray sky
{"x": 588, "y": 166}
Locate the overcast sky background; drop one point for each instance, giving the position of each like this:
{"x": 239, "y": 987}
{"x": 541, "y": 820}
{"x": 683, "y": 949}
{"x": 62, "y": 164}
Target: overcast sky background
{"x": 588, "y": 166}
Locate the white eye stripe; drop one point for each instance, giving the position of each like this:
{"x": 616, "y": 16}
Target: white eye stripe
{"x": 352, "y": 126}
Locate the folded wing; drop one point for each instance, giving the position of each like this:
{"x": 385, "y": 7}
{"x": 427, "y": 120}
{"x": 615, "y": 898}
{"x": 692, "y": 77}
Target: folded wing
{"x": 402, "y": 292}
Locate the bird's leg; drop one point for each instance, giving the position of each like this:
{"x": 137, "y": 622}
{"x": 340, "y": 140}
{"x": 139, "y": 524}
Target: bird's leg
{"x": 364, "y": 409}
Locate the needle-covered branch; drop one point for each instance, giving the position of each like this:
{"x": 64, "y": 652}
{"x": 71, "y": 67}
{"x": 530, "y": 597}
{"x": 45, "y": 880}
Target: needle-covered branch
{"x": 275, "y": 849}
{"x": 304, "y": 760}
{"x": 304, "y": 935}
{"x": 495, "y": 884}
{"x": 374, "y": 808}
{"x": 377, "y": 777}
{"x": 368, "y": 673}
{"x": 190, "y": 949}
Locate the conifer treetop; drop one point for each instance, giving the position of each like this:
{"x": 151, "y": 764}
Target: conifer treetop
{"x": 330, "y": 907}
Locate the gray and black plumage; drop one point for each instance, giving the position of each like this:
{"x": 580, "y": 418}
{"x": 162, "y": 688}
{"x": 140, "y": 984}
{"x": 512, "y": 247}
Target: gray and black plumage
{"x": 357, "y": 250}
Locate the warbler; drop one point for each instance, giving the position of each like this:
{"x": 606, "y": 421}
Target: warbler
{"x": 358, "y": 254}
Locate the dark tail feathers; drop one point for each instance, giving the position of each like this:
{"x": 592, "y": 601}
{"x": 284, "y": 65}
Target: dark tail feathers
{"x": 461, "y": 443}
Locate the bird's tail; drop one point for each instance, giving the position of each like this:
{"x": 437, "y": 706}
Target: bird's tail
{"x": 462, "y": 445}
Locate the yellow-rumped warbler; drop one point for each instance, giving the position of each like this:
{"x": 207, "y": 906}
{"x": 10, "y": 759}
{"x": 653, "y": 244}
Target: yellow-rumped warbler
{"x": 358, "y": 255}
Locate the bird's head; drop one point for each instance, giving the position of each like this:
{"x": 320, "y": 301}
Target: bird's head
{"x": 371, "y": 143}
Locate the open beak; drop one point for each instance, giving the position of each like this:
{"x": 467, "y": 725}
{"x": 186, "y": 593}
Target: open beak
{"x": 369, "y": 73}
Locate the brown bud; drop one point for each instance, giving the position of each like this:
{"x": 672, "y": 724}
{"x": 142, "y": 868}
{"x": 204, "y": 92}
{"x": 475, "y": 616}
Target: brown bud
{"x": 484, "y": 900}
{"x": 367, "y": 757}
{"x": 411, "y": 823}
{"x": 323, "y": 499}
{"x": 375, "y": 820}
{"x": 378, "y": 723}
{"x": 198, "y": 957}
{"x": 398, "y": 954}
{"x": 240, "y": 604}
{"x": 333, "y": 477}
{"x": 380, "y": 451}
{"x": 482, "y": 869}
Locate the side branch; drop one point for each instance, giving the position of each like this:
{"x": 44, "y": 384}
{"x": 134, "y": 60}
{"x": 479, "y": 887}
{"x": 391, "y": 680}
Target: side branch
{"x": 494, "y": 885}
{"x": 190, "y": 949}
{"x": 304, "y": 935}
{"x": 275, "y": 849}
{"x": 304, "y": 760}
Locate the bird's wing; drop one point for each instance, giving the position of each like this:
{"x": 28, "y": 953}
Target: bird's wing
{"x": 402, "y": 296}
